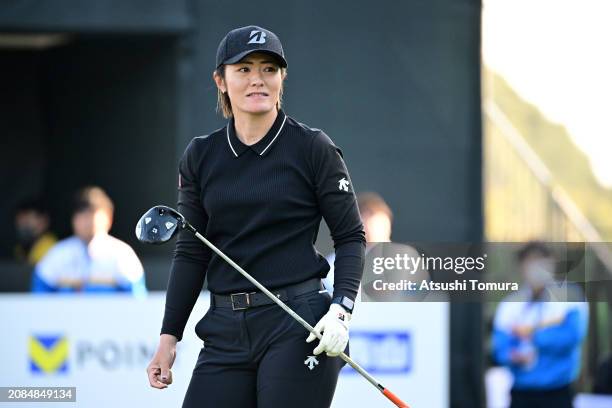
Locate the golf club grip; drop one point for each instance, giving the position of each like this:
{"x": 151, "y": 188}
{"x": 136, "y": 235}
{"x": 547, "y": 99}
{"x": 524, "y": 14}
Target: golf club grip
{"x": 393, "y": 398}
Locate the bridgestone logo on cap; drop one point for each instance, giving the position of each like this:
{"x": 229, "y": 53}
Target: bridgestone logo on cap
{"x": 257, "y": 37}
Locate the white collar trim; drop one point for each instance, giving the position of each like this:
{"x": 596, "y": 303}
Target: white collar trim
{"x": 275, "y": 136}
{"x": 264, "y": 150}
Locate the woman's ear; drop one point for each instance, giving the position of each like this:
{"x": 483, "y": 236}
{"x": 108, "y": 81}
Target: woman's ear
{"x": 219, "y": 81}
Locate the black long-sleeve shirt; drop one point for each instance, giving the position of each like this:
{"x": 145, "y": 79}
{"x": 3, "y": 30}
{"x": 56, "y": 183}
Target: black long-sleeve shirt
{"x": 262, "y": 205}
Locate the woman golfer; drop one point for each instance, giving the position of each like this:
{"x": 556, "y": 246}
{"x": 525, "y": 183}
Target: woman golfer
{"x": 257, "y": 189}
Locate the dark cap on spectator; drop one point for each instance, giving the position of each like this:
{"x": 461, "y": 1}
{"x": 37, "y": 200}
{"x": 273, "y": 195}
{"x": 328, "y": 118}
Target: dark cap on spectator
{"x": 242, "y": 41}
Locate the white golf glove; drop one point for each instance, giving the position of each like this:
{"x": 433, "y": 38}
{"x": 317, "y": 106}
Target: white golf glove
{"x": 335, "y": 328}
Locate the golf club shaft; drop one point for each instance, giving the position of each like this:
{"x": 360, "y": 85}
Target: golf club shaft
{"x": 297, "y": 317}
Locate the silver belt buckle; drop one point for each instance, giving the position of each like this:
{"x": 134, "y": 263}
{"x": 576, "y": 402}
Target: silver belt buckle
{"x": 248, "y": 300}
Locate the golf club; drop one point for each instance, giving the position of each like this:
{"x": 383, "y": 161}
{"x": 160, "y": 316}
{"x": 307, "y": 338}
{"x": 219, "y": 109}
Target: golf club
{"x": 161, "y": 223}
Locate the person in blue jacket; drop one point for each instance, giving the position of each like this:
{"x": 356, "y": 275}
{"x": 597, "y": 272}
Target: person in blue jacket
{"x": 91, "y": 260}
{"x": 538, "y": 338}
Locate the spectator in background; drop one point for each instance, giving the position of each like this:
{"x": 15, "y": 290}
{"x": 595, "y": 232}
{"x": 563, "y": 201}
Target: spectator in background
{"x": 538, "y": 339}
{"x": 376, "y": 215}
{"x": 91, "y": 260}
{"x": 33, "y": 236}
{"x": 377, "y": 218}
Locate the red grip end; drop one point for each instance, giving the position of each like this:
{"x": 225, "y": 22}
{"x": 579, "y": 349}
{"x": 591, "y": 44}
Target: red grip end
{"x": 398, "y": 402}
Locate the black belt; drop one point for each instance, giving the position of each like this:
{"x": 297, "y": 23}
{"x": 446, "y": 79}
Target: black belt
{"x": 245, "y": 300}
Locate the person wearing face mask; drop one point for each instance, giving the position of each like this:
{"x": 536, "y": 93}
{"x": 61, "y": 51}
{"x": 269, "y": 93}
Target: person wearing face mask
{"x": 32, "y": 230}
{"x": 537, "y": 337}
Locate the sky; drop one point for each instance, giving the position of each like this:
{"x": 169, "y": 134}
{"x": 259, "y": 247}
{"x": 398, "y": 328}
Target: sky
{"x": 557, "y": 54}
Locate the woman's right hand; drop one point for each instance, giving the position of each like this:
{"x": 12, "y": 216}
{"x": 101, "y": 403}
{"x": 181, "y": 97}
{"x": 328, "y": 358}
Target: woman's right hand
{"x": 159, "y": 369}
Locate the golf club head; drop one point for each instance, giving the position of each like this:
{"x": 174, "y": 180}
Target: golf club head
{"x": 159, "y": 225}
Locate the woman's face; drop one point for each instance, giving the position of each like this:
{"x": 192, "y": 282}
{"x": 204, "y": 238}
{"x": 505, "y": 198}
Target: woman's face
{"x": 253, "y": 84}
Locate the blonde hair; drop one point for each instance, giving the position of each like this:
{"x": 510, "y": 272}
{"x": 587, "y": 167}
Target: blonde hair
{"x": 224, "y": 105}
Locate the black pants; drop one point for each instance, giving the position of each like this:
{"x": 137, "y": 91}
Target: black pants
{"x": 557, "y": 398}
{"x": 259, "y": 358}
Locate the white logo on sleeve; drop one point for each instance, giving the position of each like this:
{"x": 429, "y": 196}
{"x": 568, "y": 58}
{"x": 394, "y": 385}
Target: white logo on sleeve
{"x": 257, "y": 37}
{"x": 311, "y": 362}
{"x": 343, "y": 184}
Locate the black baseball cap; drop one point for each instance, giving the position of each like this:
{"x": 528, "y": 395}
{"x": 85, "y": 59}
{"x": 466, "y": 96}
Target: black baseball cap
{"x": 242, "y": 41}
